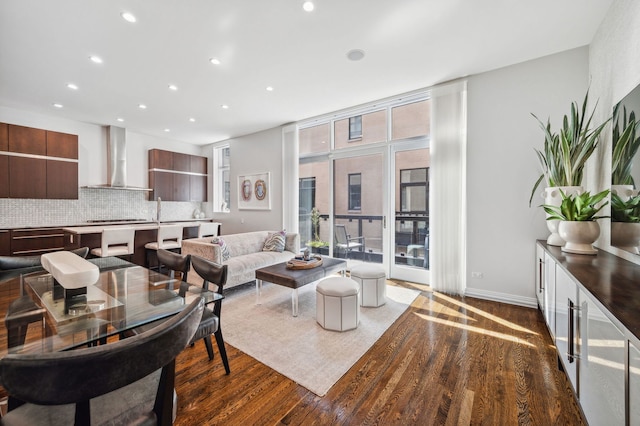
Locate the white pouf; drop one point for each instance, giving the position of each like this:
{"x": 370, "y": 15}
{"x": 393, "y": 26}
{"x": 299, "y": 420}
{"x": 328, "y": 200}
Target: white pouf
{"x": 373, "y": 284}
{"x": 337, "y": 303}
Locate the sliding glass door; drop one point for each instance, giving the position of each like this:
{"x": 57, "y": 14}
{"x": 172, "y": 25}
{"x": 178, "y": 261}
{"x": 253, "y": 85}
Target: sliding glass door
{"x": 409, "y": 233}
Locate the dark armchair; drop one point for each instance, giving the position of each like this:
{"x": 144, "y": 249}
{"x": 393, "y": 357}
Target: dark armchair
{"x": 101, "y": 374}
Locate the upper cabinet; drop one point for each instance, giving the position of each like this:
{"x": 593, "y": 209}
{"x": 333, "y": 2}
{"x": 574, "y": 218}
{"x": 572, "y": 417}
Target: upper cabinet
{"x": 37, "y": 163}
{"x": 4, "y": 160}
{"x": 175, "y": 176}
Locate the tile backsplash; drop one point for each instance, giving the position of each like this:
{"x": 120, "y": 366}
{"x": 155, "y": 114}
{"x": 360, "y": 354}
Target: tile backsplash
{"x": 92, "y": 204}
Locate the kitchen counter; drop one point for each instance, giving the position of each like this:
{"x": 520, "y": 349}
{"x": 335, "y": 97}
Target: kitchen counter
{"x": 138, "y": 226}
{"x": 102, "y": 224}
{"x": 146, "y": 232}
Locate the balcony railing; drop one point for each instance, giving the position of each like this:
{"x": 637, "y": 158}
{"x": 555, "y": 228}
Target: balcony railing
{"x": 411, "y": 236}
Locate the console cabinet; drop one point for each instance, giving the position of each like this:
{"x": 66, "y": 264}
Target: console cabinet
{"x": 594, "y": 303}
{"x": 634, "y": 383}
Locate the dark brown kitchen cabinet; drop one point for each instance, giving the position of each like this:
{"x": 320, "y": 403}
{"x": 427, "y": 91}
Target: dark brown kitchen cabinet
{"x": 62, "y": 180}
{"x": 62, "y": 145}
{"x": 27, "y": 177}
{"x": 35, "y": 241}
{"x": 4, "y": 161}
{"x": 175, "y": 176}
{"x": 27, "y": 140}
{"x": 38, "y": 163}
{"x": 5, "y": 242}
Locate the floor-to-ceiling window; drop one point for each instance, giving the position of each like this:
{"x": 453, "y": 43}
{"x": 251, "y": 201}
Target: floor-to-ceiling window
{"x": 369, "y": 168}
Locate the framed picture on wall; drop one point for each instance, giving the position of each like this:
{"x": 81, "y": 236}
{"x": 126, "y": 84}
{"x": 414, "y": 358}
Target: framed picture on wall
{"x": 254, "y": 192}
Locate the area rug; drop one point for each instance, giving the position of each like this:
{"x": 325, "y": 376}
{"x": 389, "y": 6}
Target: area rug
{"x": 297, "y": 347}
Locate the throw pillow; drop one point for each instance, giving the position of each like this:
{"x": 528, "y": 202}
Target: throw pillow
{"x": 224, "y": 248}
{"x": 275, "y": 242}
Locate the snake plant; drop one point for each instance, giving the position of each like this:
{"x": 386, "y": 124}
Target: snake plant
{"x": 625, "y": 211}
{"x": 625, "y": 146}
{"x": 577, "y": 208}
{"x": 565, "y": 153}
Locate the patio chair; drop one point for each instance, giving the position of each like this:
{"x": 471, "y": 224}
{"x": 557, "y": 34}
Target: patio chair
{"x": 345, "y": 242}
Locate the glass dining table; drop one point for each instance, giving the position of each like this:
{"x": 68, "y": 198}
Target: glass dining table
{"x": 124, "y": 297}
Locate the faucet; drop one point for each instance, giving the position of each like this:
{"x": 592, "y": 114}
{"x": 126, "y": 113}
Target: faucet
{"x": 158, "y": 210}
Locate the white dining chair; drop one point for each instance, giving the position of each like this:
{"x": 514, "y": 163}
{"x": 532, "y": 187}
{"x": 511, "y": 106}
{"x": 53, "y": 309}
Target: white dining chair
{"x": 169, "y": 238}
{"x": 208, "y": 229}
{"x": 116, "y": 242}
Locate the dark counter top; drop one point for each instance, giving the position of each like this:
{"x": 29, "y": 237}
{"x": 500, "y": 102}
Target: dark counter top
{"x": 611, "y": 280}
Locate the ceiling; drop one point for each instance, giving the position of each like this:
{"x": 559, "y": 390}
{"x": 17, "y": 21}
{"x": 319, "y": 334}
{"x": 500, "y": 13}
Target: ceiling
{"x": 408, "y": 45}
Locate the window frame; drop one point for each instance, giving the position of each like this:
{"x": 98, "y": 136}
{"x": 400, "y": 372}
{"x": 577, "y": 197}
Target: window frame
{"x": 221, "y": 186}
{"x": 404, "y": 185}
{"x": 355, "y": 127}
{"x": 351, "y": 193}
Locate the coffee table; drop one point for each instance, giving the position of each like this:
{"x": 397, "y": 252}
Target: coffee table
{"x": 296, "y": 278}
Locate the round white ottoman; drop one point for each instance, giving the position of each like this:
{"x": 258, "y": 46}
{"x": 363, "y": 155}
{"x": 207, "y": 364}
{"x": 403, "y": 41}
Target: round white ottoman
{"x": 373, "y": 284}
{"x": 337, "y": 303}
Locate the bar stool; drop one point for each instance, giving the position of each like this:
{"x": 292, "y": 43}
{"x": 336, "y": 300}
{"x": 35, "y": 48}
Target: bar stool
{"x": 116, "y": 242}
{"x": 208, "y": 229}
{"x": 169, "y": 238}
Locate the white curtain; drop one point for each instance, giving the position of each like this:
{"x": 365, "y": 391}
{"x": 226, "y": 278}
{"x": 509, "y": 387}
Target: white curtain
{"x": 290, "y": 178}
{"x": 447, "y": 200}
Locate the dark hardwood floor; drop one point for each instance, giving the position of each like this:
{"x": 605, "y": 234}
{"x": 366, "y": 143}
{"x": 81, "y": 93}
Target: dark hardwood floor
{"x": 445, "y": 361}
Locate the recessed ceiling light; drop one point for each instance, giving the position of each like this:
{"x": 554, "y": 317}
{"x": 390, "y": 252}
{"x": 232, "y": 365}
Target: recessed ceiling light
{"x": 355, "y": 54}
{"x": 57, "y": 105}
{"x": 72, "y": 86}
{"x": 173, "y": 87}
{"x": 120, "y": 119}
{"x": 128, "y": 16}
{"x": 142, "y": 106}
{"x": 193, "y": 120}
{"x": 95, "y": 59}
{"x": 224, "y": 106}
{"x": 308, "y": 6}
{"x": 215, "y": 61}
{"x": 269, "y": 89}
{"x": 167, "y": 130}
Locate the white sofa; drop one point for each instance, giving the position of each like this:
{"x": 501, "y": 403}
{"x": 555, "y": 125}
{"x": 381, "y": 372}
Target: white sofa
{"x": 245, "y": 251}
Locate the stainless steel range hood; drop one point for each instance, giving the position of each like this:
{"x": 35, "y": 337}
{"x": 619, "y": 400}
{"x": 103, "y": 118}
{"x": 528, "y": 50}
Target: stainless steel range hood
{"x": 117, "y": 161}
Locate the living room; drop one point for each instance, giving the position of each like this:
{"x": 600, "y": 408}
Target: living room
{"x": 501, "y": 136}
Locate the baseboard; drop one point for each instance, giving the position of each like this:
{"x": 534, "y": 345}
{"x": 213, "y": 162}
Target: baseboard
{"x": 529, "y": 302}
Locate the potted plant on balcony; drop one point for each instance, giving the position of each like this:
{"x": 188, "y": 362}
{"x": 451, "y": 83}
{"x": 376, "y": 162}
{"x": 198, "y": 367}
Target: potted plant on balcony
{"x": 317, "y": 245}
{"x": 577, "y": 215}
{"x": 564, "y": 157}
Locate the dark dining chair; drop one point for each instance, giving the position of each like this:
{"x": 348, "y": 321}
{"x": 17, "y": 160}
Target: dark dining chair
{"x": 213, "y": 273}
{"x": 23, "y": 310}
{"x": 210, "y": 322}
{"x": 107, "y": 384}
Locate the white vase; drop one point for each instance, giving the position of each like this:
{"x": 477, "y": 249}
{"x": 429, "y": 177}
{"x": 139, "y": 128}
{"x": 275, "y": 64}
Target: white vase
{"x": 623, "y": 191}
{"x": 626, "y": 236}
{"x": 553, "y": 197}
{"x": 579, "y": 236}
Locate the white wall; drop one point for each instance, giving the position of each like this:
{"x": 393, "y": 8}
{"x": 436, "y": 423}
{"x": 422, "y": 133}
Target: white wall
{"x": 92, "y": 146}
{"x": 614, "y": 64}
{"x": 94, "y": 204}
{"x": 255, "y": 153}
{"x": 502, "y": 168}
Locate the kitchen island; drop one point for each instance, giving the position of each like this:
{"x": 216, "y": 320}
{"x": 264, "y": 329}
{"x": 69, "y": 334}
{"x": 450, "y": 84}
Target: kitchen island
{"x": 146, "y": 232}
